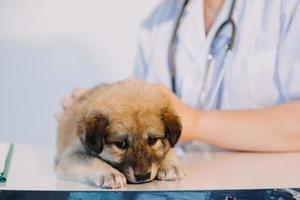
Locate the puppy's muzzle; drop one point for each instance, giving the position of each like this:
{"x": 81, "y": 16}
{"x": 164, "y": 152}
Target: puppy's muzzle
{"x": 142, "y": 177}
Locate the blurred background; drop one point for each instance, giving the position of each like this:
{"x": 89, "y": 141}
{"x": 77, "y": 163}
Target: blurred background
{"x": 48, "y": 47}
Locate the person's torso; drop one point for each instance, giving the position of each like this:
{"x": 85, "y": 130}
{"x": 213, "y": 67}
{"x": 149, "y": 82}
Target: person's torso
{"x": 251, "y": 79}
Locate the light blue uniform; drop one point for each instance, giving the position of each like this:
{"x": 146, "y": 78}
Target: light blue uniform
{"x": 262, "y": 70}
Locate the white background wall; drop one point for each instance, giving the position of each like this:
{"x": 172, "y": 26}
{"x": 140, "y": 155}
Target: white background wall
{"x": 47, "y": 47}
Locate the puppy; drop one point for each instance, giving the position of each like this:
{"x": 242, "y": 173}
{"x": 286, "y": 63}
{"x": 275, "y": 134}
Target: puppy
{"x": 116, "y": 133}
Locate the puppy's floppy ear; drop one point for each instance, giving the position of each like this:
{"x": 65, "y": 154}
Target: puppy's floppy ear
{"x": 92, "y": 131}
{"x": 172, "y": 125}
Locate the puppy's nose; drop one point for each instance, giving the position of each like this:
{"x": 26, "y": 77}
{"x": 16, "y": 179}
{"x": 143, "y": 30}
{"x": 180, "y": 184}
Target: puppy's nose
{"x": 142, "y": 177}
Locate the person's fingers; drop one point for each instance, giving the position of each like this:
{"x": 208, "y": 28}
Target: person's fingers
{"x": 135, "y": 79}
{"x": 78, "y": 91}
{"x": 132, "y": 78}
{"x": 58, "y": 116}
{"x": 66, "y": 102}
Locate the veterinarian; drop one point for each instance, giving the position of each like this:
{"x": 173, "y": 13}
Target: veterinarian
{"x": 234, "y": 67}
{"x": 256, "y": 105}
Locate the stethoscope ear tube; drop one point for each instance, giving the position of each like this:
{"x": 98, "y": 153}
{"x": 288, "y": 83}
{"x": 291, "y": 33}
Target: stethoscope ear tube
{"x": 228, "y": 22}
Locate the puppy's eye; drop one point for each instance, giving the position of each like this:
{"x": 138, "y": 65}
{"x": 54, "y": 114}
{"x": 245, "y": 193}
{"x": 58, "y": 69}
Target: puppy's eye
{"x": 122, "y": 144}
{"x": 152, "y": 140}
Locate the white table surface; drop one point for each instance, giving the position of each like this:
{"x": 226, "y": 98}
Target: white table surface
{"x": 32, "y": 168}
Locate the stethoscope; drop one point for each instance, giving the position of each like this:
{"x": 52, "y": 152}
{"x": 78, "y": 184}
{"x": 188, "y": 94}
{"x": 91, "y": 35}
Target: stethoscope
{"x": 228, "y": 47}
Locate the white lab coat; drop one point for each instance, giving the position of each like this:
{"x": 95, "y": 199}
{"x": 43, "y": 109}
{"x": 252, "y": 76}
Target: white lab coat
{"x": 262, "y": 70}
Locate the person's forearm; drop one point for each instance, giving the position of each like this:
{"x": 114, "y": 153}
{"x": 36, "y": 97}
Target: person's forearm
{"x": 272, "y": 129}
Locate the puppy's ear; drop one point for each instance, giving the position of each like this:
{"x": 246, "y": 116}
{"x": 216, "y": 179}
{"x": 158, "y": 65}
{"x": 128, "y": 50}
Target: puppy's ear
{"x": 92, "y": 131}
{"x": 172, "y": 125}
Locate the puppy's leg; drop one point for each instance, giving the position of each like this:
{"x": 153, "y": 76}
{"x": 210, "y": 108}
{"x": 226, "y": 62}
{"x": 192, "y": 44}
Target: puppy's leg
{"x": 170, "y": 169}
{"x": 82, "y": 167}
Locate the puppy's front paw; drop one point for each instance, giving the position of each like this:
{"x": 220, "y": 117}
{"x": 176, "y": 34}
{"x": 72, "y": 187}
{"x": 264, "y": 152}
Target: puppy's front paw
{"x": 111, "y": 179}
{"x": 170, "y": 173}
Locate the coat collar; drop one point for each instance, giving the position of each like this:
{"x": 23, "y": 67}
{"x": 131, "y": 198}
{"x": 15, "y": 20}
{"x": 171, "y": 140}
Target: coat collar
{"x": 191, "y": 32}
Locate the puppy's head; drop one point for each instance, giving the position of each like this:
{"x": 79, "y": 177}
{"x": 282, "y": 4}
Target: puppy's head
{"x": 133, "y": 136}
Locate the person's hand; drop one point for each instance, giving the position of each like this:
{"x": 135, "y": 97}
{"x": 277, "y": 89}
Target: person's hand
{"x": 68, "y": 100}
{"x": 188, "y": 115}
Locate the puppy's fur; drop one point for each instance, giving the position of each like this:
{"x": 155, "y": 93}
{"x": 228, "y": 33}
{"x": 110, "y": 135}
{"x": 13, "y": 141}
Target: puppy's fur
{"x": 116, "y": 132}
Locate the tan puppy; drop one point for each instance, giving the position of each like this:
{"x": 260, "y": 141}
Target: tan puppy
{"x": 116, "y": 132}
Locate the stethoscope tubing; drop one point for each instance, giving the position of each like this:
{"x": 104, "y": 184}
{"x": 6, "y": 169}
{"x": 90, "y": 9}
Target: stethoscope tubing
{"x": 172, "y": 48}
{"x": 228, "y": 48}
